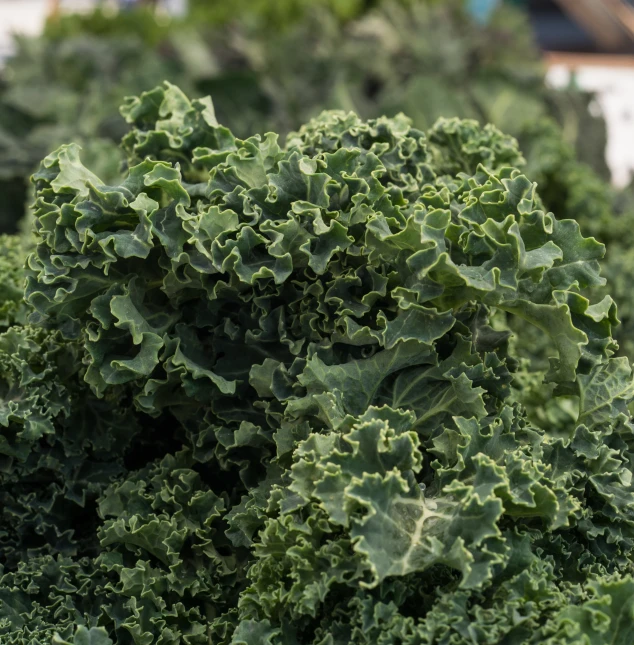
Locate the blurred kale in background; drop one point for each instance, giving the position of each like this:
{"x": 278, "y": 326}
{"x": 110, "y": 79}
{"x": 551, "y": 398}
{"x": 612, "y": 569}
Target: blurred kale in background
{"x": 272, "y": 66}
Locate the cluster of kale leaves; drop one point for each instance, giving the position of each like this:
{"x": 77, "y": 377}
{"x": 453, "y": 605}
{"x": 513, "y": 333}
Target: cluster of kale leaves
{"x": 263, "y": 394}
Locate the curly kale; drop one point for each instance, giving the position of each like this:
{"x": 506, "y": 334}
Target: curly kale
{"x": 269, "y": 395}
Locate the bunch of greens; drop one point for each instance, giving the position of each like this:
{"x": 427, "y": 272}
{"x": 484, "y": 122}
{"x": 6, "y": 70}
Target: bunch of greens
{"x": 267, "y": 396}
{"x": 573, "y": 189}
{"x": 426, "y": 58}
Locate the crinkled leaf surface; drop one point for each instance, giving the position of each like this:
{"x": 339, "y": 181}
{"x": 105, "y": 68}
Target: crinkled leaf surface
{"x": 268, "y": 394}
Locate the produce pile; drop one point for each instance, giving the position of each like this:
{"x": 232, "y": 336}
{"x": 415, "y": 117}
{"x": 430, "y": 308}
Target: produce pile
{"x": 426, "y": 58}
{"x": 267, "y": 394}
{"x": 273, "y": 66}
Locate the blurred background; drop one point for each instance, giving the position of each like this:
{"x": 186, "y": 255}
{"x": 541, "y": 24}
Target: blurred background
{"x": 556, "y": 74}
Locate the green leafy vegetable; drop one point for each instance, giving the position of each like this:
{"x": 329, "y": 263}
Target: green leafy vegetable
{"x": 268, "y": 394}
{"x": 273, "y": 66}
